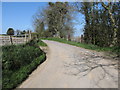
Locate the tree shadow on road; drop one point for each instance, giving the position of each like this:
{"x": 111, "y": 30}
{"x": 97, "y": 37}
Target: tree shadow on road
{"x": 99, "y": 66}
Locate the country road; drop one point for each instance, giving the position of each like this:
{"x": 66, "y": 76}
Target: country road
{"x": 69, "y": 66}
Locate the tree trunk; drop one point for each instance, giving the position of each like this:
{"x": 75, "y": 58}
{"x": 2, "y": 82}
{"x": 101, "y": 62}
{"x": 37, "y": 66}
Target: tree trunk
{"x": 113, "y": 22}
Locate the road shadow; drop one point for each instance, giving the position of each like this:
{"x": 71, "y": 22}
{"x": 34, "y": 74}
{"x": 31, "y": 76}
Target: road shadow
{"x": 99, "y": 67}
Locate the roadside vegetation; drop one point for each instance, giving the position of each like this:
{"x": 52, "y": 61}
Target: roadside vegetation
{"x": 101, "y": 29}
{"x": 18, "y": 61}
{"x": 41, "y": 43}
{"x": 115, "y": 50}
{"x": 101, "y": 32}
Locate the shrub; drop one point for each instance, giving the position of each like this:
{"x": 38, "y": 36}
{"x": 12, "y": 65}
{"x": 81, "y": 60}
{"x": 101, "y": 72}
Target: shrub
{"x": 18, "y": 61}
{"x": 14, "y": 58}
{"x": 41, "y": 43}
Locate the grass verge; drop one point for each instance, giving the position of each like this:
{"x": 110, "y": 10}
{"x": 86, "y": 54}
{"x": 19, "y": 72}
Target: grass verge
{"x": 87, "y": 46}
{"x": 18, "y": 61}
{"x": 41, "y": 43}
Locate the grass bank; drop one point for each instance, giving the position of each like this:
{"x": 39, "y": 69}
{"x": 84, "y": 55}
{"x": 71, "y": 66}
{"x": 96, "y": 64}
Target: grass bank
{"x": 87, "y": 46}
{"x": 41, "y": 43}
{"x": 18, "y": 61}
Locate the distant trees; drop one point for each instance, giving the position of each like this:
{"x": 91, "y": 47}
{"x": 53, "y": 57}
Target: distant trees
{"x": 56, "y": 15}
{"x": 39, "y": 22}
{"x": 40, "y": 29}
{"x": 55, "y": 20}
{"x": 101, "y": 22}
{"x": 10, "y": 32}
{"x": 18, "y": 32}
{"x": 23, "y": 32}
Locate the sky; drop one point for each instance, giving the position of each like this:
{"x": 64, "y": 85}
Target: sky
{"x": 19, "y": 16}
{"x": 59, "y": 0}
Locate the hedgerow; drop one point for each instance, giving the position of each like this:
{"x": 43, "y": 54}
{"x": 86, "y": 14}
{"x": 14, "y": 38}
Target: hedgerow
{"x": 18, "y": 61}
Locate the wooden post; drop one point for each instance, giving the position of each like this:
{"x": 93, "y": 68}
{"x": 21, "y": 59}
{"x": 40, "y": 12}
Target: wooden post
{"x": 25, "y": 38}
{"x": 10, "y": 37}
{"x": 29, "y": 35}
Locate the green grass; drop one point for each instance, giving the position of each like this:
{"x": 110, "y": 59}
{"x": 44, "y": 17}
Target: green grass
{"x": 86, "y": 46}
{"x": 18, "y": 61}
{"x": 19, "y": 76}
{"x": 41, "y": 43}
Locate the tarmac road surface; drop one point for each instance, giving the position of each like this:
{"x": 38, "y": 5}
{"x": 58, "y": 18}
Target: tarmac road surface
{"x": 69, "y": 66}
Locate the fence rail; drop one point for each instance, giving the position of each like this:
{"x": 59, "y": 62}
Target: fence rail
{"x": 5, "y": 40}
